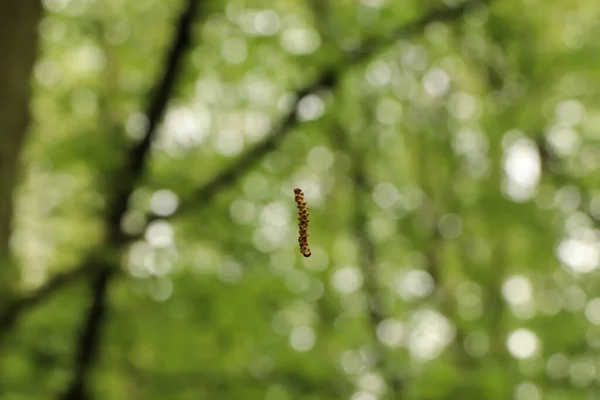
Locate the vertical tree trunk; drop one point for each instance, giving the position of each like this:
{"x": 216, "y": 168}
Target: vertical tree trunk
{"x": 18, "y": 50}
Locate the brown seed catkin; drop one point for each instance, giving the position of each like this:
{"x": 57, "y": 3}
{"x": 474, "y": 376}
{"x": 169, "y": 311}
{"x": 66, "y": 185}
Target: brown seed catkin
{"x": 302, "y": 222}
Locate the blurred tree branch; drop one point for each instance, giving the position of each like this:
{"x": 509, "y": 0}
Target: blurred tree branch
{"x": 125, "y": 183}
{"x": 18, "y": 47}
{"x": 328, "y": 79}
{"x": 87, "y": 346}
{"x": 367, "y": 253}
{"x": 9, "y": 316}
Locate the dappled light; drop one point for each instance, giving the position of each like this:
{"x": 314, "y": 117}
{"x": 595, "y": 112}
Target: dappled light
{"x": 436, "y": 163}
{"x": 522, "y": 343}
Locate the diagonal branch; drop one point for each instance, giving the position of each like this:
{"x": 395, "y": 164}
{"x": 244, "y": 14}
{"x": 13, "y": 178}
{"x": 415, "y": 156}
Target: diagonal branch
{"x": 10, "y": 315}
{"x": 91, "y": 332}
{"x": 243, "y": 164}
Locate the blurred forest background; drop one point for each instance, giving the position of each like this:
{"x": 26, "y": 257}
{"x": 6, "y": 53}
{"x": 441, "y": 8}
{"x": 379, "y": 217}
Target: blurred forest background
{"x": 449, "y": 152}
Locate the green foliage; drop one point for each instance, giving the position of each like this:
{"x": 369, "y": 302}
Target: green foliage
{"x": 450, "y": 176}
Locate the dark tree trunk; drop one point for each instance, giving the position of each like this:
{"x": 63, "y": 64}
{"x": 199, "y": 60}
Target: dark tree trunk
{"x": 18, "y": 50}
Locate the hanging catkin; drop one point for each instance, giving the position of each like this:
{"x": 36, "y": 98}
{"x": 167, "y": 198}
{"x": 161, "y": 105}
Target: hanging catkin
{"x": 302, "y": 222}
